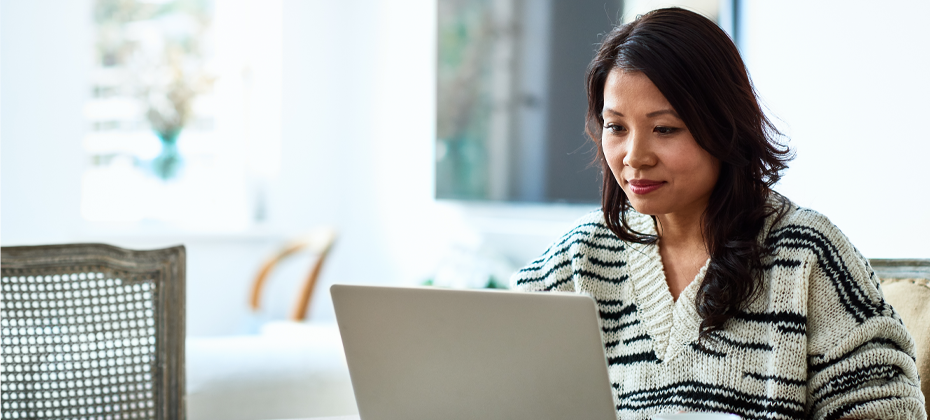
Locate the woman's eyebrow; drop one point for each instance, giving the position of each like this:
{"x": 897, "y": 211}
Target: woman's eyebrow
{"x": 649, "y": 115}
{"x": 664, "y": 111}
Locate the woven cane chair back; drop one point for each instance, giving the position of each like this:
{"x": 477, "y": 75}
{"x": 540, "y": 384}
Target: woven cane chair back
{"x": 92, "y": 331}
{"x": 906, "y": 286}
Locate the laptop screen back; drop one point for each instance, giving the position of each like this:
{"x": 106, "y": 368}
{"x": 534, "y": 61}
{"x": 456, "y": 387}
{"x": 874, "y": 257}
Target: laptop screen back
{"x": 431, "y": 353}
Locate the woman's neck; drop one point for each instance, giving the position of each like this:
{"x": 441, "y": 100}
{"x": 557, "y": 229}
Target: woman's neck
{"x": 678, "y": 230}
{"x": 683, "y": 250}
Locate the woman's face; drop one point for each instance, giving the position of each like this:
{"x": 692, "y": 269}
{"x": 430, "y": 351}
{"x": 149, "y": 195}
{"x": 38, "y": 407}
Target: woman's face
{"x": 650, "y": 151}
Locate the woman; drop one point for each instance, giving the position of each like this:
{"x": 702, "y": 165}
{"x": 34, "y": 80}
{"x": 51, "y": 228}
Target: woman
{"x": 716, "y": 293}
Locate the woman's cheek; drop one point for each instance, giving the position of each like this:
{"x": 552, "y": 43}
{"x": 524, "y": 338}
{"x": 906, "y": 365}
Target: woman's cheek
{"x": 614, "y": 156}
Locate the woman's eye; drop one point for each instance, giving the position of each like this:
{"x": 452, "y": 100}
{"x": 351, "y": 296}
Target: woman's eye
{"x": 614, "y": 128}
{"x": 665, "y": 130}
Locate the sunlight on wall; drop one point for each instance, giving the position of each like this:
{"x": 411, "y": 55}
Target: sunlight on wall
{"x": 709, "y": 8}
{"x": 848, "y": 85}
{"x": 358, "y": 127}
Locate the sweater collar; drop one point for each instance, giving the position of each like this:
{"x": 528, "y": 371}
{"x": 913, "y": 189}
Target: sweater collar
{"x": 671, "y": 324}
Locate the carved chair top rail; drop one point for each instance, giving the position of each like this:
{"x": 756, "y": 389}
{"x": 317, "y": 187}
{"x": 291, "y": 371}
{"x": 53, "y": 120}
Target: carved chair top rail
{"x": 901, "y": 268}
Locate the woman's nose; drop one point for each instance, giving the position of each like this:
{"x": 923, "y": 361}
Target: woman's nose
{"x": 639, "y": 152}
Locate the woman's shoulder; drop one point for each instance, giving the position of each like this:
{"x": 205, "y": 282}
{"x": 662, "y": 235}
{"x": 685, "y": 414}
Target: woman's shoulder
{"x": 588, "y": 237}
{"x": 592, "y": 220}
{"x": 586, "y": 230}
{"x": 591, "y": 234}
{"x": 803, "y": 234}
{"x": 593, "y": 226}
{"x": 791, "y": 221}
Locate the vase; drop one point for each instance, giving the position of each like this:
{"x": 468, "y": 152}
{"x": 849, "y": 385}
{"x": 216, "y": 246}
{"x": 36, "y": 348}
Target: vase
{"x": 168, "y": 163}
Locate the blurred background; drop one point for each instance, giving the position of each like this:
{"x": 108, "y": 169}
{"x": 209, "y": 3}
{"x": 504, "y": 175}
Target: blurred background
{"x": 442, "y": 140}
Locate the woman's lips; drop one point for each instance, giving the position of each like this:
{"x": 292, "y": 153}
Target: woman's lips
{"x": 644, "y": 186}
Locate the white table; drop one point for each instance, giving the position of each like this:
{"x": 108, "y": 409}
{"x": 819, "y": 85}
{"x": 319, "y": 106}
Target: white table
{"x": 290, "y": 370}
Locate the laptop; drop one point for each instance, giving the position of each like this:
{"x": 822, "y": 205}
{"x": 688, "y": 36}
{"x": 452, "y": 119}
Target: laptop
{"x": 432, "y": 353}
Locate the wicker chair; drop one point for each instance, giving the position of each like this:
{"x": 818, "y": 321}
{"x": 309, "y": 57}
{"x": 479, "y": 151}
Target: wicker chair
{"x": 906, "y": 286}
{"x": 92, "y": 331}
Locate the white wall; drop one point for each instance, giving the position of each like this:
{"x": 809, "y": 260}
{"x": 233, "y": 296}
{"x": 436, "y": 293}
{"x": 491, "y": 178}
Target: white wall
{"x": 358, "y": 117}
{"x": 357, "y": 143}
{"x": 44, "y": 63}
{"x": 849, "y": 82}
{"x": 357, "y": 130}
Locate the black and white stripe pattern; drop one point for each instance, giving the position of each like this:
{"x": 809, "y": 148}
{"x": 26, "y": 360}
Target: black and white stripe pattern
{"x": 820, "y": 342}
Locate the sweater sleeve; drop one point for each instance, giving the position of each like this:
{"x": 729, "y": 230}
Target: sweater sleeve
{"x": 860, "y": 357}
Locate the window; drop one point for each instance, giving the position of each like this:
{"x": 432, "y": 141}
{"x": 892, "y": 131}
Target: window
{"x": 511, "y": 98}
{"x": 184, "y": 115}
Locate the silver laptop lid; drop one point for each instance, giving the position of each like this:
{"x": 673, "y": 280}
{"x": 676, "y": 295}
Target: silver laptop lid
{"x": 431, "y": 353}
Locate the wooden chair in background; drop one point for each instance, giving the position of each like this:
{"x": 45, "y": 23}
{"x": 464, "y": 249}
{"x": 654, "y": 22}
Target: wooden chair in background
{"x": 284, "y": 369}
{"x": 906, "y": 286}
{"x": 318, "y": 242}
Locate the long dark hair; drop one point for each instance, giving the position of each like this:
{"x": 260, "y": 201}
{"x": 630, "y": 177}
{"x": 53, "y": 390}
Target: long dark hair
{"x": 699, "y": 70}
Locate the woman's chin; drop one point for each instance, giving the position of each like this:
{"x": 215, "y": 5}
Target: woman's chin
{"x": 647, "y": 207}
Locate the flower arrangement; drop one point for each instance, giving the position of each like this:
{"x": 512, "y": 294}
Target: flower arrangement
{"x": 161, "y": 47}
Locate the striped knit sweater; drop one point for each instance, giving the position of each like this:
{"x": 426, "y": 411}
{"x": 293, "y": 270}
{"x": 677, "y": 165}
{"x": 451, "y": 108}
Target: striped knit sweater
{"x": 819, "y": 343}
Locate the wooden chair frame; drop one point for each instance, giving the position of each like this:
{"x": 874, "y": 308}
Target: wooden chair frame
{"x": 166, "y": 267}
{"x": 320, "y": 242}
{"x": 901, "y": 269}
